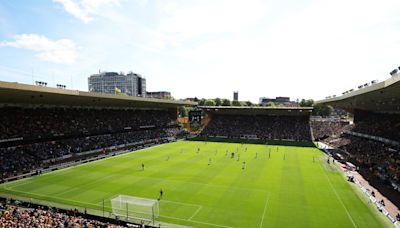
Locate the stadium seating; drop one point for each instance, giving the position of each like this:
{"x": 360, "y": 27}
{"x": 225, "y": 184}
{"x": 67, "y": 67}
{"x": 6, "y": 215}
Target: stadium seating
{"x": 377, "y": 158}
{"x": 324, "y": 128}
{"x": 49, "y": 122}
{"x": 17, "y": 216}
{"x": 378, "y": 124}
{"x": 294, "y": 128}
{"x": 382, "y": 160}
{"x": 40, "y": 137}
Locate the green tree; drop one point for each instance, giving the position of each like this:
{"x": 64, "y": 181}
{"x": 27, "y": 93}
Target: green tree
{"x": 226, "y": 102}
{"x": 218, "y": 101}
{"x": 209, "y": 103}
{"x": 306, "y": 103}
{"x": 270, "y": 104}
{"x": 183, "y": 111}
{"x": 322, "y": 110}
{"x": 248, "y": 103}
{"x": 202, "y": 102}
{"x": 236, "y": 103}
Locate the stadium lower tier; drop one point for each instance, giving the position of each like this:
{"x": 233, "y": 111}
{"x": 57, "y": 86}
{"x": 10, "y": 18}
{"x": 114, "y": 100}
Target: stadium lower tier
{"x": 17, "y": 214}
{"x": 379, "y": 162}
{"x": 21, "y": 159}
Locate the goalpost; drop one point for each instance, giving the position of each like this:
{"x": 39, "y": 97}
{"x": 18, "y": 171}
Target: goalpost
{"x": 135, "y": 208}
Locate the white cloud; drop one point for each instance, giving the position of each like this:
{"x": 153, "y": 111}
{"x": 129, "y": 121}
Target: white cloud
{"x": 84, "y": 10}
{"x": 307, "y": 49}
{"x": 58, "y": 51}
{"x": 319, "y": 49}
{"x": 212, "y": 16}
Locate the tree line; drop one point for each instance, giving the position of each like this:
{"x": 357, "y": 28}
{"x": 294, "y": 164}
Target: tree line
{"x": 319, "y": 109}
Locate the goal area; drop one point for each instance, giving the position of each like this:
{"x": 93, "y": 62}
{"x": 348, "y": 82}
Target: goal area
{"x": 133, "y": 207}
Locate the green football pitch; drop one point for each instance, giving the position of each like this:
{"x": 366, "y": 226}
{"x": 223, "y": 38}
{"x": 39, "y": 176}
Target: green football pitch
{"x": 277, "y": 186}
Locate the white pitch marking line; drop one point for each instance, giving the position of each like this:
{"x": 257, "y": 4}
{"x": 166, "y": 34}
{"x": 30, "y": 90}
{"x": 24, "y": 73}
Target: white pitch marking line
{"x": 20, "y": 184}
{"x": 188, "y": 204}
{"x": 338, "y": 197}
{"x": 265, "y": 209}
{"x": 195, "y": 221}
{"x": 52, "y": 197}
{"x": 71, "y": 189}
{"x": 196, "y": 212}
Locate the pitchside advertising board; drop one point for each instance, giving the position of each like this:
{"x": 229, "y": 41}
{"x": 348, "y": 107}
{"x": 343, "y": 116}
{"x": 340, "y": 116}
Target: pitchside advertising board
{"x": 195, "y": 116}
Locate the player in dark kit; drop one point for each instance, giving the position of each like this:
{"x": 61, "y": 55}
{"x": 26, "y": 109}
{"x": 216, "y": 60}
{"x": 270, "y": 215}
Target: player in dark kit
{"x": 161, "y": 194}
{"x": 142, "y": 166}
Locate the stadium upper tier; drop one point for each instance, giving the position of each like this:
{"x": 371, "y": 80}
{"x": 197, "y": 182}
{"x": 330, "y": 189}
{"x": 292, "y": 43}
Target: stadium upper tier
{"x": 379, "y": 97}
{"x": 273, "y": 111}
{"x": 16, "y": 93}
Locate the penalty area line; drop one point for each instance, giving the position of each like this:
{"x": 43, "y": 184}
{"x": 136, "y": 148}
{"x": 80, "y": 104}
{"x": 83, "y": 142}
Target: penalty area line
{"x": 195, "y": 221}
{"x": 196, "y": 212}
{"x": 176, "y": 202}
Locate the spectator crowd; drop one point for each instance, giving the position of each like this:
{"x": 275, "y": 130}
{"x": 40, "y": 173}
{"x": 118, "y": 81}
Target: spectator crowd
{"x": 379, "y": 124}
{"x": 380, "y": 159}
{"x": 324, "y": 128}
{"x": 15, "y": 216}
{"x": 295, "y": 128}
{"x": 377, "y": 157}
{"x": 47, "y": 122}
{"x": 82, "y": 130}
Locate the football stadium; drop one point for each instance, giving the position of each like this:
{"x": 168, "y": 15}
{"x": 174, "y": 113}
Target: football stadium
{"x": 199, "y": 114}
{"x": 127, "y": 161}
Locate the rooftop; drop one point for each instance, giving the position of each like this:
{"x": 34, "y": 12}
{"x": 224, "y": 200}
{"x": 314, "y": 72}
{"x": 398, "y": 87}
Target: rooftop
{"x": 16, "y": 93}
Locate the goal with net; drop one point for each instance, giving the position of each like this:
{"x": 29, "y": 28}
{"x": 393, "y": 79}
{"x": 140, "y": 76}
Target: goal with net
{"x": 133, "y": 207}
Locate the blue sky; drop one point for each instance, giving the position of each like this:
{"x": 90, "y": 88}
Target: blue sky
{"x": 204, "y": 48}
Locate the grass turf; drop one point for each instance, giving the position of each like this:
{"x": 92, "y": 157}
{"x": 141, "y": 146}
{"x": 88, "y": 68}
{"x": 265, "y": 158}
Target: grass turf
{"x": 281, "y": 186}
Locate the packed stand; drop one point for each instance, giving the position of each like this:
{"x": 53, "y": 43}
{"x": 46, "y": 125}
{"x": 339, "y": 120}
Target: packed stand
{"x": 380, "y": 159}
{"x": 46, "y": 122}
{"x": 15, "y": 216}
{"x": 264, "y": 127}
{"x": 378, "y": 124}
{"x": 24, "y": 158}
{"x": 324, "y": 128}
{"x": 64, "y": 133}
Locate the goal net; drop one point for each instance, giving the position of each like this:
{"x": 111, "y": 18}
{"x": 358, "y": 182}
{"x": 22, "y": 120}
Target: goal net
{"x": 135, "y": 207}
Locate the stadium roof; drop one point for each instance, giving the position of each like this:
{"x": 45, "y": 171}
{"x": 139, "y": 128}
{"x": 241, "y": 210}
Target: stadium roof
{"x": 257, "y": 110}
{"x": 16, "y": 93}
{"x": 379, "y": 97}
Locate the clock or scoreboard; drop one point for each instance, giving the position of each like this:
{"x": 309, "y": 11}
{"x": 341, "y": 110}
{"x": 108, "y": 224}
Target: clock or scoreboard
{"x": 195, "y": 116}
